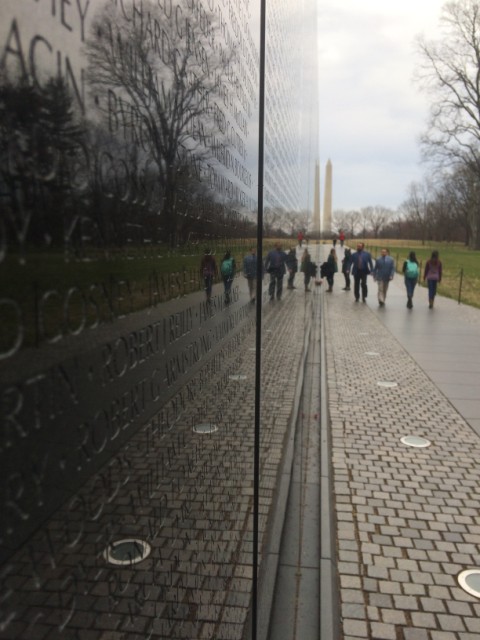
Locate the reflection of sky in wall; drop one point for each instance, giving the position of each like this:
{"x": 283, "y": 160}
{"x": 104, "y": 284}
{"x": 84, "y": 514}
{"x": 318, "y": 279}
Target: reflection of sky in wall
{"x": 371, "y": 113}
{"x": 46, "y": 36}
{"x": 291, "y": 134}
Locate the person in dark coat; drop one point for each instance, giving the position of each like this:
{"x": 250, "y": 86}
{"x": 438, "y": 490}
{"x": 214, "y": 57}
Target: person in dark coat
{"x": 292, "y": 267}
{"x": 275, "y": 266}
{"x": 346, "y": 268}
{"x": 331, "y": 269}
{"x": 361, "y": 265}
{"x": 208, "y": 271}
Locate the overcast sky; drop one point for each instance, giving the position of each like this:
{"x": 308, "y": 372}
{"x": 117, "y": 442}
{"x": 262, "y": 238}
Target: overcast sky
{"x": 371, "y": 113}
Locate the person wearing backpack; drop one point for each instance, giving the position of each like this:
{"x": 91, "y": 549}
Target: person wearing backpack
{"x": 410, "y": 270}
{"x": 227, "y": 269}
{"x": 433, "y": 276}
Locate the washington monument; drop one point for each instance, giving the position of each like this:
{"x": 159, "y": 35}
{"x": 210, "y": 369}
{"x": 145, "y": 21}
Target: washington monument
{"x": 316, "y": 203}
{"x": 327, "y": 200}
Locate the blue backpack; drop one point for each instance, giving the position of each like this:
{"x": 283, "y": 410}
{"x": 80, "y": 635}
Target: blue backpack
{"x": 411, "y": 270}
{"x": 226, "y": 267}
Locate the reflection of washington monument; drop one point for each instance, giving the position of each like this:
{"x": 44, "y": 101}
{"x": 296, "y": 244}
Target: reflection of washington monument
{"x": 327, "y": 201}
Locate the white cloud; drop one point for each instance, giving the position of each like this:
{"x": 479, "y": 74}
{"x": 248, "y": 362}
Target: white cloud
{"x": 371, "y": 113}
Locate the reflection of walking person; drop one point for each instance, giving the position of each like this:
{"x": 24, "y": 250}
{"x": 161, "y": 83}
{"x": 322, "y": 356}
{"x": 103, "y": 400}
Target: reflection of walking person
{"x": 275, "y": 266}
{"x": 433, "y": 276}
{"x": 208, "y": 270}
{"x": 347, "y": 256}
{"x": 250, "y": 273}
{"x": 410, "y": 270}
{"x": 292, "y": 267}
{"x": 227, "y": 269}
{"x": 383, "y": 272}
{"x": 361, "y": 264}
{"x": 307, "y": 268}
{"x": 331, "y": 270}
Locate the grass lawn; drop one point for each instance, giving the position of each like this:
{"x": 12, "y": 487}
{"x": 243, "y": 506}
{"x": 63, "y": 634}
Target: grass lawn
{"x": 46, "y": 297}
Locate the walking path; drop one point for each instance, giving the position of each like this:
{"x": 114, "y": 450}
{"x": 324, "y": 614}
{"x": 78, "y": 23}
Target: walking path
{"x": 407, "y": 519}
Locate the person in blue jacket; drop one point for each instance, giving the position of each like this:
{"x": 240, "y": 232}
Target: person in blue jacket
{"x": 383, "y": 272}
{"x": 275, "y": 265}
{"x": 250, "y": 272}
{"x": 361, "y": 265}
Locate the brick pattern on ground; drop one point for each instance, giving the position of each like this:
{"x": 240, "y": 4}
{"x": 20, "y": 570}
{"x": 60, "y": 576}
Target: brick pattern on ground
{"x": 189, "y": 496}
{"x": 407, "y": 519}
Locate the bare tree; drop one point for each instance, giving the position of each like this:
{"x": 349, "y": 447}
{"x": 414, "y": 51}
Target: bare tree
{"x": 349, "y": 221}
{"x": 156, "y": 84}
{"x": 461, "y": 193}
{"x": 417, "y": 208}
{"x": 450, "y": 74}
{"x": 376, "y": 218}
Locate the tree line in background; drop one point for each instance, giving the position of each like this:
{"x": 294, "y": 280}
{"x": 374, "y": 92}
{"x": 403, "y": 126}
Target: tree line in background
{"x": 446, "y": 209}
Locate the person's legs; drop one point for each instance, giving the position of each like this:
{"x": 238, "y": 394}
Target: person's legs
{"x": 271, "y": 286}
{"x": 410, "y": 286}
{"x": 356, "y": 286}
{"x": 208, "y": 281}
{"x": 252, "y": 287}
{"x": 279, "y": 286}
{"x": 306, "y": 281}
{"x": 330, "y": 282}
{"x": 382, "y": 290}
{"x": 227, "y": 285}
{"x": 432, "y": 291}
{"x": 363, "y": 279}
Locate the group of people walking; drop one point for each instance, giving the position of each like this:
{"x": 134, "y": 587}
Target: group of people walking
{"x": 277, "y": 264}
{"x": 358, "y": 265}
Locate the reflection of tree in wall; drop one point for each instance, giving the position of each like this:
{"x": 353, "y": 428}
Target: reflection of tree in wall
{"x": 41, "y": 147}
{"x": 154, "y": 79}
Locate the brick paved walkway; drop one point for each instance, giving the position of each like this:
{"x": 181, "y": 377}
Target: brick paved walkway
{"x": 407, "y": 519}
{"x": 188, "y": 495}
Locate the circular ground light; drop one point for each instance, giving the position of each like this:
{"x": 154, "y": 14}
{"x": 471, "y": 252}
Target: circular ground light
{"x": 205, "y": 428}
{"x": 127, "y": 552}
{"x": 386, "y": 384}
{"x": 415, "y": 441}
{"x": 237, "y": 377}
{"x": 469, "y": 580}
